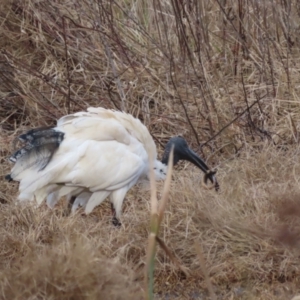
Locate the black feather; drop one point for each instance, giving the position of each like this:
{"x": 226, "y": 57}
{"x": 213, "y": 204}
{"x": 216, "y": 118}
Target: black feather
{"x": 39, "y": 135}
{"x": 39, "y": 146}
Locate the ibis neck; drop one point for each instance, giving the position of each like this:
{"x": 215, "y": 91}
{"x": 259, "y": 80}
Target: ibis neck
{"x": 165, "y": 158}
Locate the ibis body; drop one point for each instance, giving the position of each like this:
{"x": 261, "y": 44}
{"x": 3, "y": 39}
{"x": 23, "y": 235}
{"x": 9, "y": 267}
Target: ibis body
{"x": 90, "y": 156}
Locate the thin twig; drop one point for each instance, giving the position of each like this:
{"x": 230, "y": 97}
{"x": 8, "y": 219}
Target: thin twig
{"x": 112, "y": 63}
{"x": 172, "y": 256}
{"x": 67, "y": 67}
{"x": 236, "y": 118}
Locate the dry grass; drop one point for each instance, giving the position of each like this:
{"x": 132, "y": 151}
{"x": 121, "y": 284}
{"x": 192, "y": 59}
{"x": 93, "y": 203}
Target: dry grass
{"x": 224, "y": 74}
{"x": 249, "y": 233}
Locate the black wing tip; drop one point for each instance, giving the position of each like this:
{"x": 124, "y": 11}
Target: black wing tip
{"x": 8, "y": 178}
{"x": 40, "y": 142}
{"x": 40, "y": 135}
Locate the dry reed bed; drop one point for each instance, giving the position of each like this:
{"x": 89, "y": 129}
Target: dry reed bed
{"x": 249, "y": 233}
{"x": 187, "y": 68}
{"x": 183, "y": 68}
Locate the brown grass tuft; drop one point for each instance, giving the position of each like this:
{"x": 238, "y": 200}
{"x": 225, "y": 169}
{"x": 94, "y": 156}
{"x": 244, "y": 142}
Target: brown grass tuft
{"x": 69, "y": 269}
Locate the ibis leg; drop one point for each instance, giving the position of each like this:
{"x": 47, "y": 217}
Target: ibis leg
{"x": 69, "y": 205}
{"x": 115, "y": 221}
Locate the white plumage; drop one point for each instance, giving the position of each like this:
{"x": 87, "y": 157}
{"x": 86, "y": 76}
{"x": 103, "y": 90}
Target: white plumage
{"x": 91, "y": 156}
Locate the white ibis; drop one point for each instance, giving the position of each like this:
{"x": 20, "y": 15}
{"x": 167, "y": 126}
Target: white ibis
{"x": 90, "y": 156}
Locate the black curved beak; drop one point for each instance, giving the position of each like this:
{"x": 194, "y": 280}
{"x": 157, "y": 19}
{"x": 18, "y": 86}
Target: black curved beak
{"x": 192, "y": 157}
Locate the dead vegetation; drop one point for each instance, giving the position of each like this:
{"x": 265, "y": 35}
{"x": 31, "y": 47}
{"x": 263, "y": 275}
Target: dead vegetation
{"x": 225, "y": 75}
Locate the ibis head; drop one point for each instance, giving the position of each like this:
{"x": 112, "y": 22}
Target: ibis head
{"x": 183, "y": 152}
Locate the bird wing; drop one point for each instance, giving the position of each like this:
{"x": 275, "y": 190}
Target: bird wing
{"x": 133, "y": 125}
{"x": 71, "y": 130}
{"x": 95, "y": 165}
{"x": 100, "y": 117}
{"x": 100, "y": 150}
{"x": 93, "y": 128}
{"x": 107, "y": 165}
